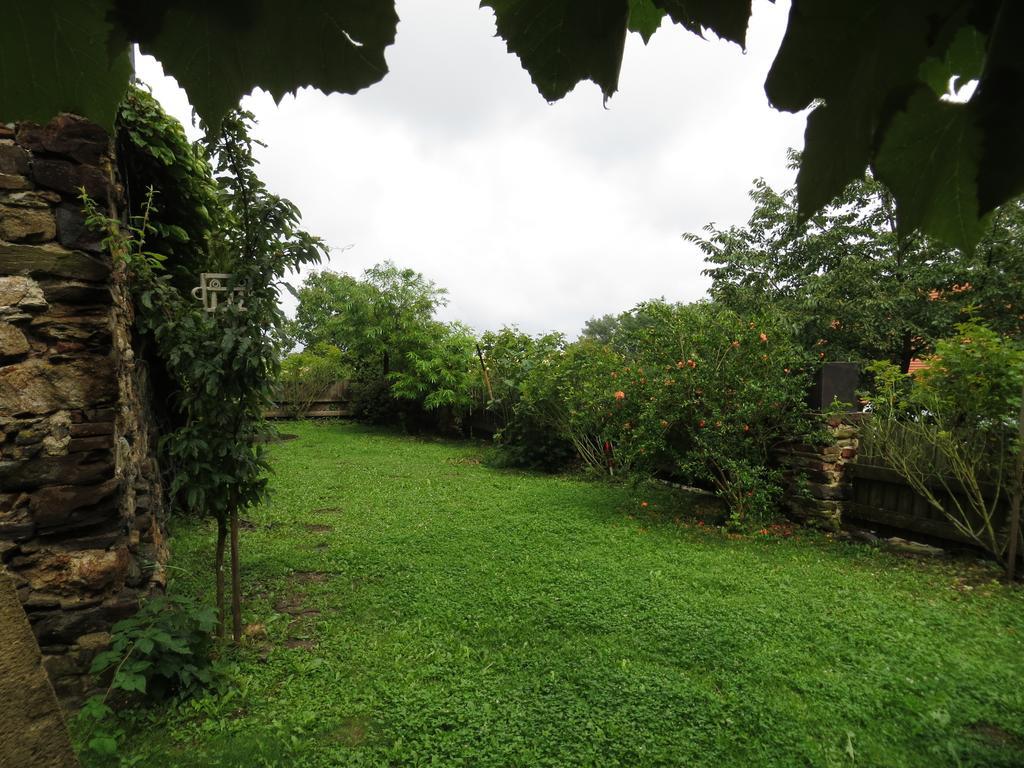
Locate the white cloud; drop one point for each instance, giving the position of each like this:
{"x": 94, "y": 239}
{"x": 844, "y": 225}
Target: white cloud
{"x": 529, "y": 213}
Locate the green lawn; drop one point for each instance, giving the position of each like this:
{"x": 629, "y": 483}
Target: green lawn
{"x": 422, "y": 609}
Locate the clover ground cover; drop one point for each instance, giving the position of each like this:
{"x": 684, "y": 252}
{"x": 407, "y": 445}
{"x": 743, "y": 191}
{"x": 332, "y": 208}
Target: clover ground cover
{"x": 414, "y": 607}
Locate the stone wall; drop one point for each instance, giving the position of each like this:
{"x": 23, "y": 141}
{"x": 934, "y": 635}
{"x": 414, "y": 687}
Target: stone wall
{"x": 32, "y": 729}
{"x": 816, "y": 476}
{"x": 81, "y": 503}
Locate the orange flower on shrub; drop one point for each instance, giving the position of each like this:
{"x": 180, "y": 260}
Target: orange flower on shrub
{"x": 735, "y": 343}
{"x": 763, "y": 337}
{"x": 620, "y": 395}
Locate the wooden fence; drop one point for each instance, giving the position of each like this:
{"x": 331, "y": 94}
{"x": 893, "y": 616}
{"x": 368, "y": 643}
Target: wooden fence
{"x": 879, "y": 494}
{"x": 332, "y": 402}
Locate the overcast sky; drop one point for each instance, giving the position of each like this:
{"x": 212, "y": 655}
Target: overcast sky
{"x": 535, "y": 214}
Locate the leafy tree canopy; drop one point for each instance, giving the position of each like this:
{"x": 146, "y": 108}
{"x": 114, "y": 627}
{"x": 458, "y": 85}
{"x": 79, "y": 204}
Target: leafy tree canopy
{"x": 876, "y": 74}
{"x": 853, "y": 286}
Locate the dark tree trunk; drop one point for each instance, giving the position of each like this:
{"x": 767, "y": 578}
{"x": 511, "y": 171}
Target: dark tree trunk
{"x": 907, "y": 353}
{"x": 236, "y": 581}
{"x": 218, "y": 569}
{"x": 1018, "y": 491}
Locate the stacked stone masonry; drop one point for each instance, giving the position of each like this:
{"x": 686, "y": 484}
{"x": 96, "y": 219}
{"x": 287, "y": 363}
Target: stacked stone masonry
{"x": 81, "y": 503}
{"x": 818, "y": 484}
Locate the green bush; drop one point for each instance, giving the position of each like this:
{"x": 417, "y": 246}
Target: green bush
{"x": 708, "y": 395}
{"x": 952, "y": 431}
{"x": 164, "y": 650}
{"x": 527, "y": 432}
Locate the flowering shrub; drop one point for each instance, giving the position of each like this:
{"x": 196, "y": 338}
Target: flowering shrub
{"x": 570, "y": 392}
{"x": 694, "y": 392}
{"x": 706, "y": 396}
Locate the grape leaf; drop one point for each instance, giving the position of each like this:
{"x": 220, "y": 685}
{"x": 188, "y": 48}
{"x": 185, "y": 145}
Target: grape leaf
{"x": 562, "y": 42}
{"x": 963, "y": 61}
{"x": 929, "y": 159}
{"x": 54, "y": 58}
{"x": 999, "y": 101}
{"x": 726, "y": 18}
{"x": 859, "y": 60}
{"x": 219, "y": 52}
{"x": 644, "y": 18}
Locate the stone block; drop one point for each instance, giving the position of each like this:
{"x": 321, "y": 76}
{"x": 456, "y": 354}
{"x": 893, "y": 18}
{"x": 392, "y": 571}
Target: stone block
{"x": 74, "y": 505}
{"x": 76, "y": 292}
{"x": 34, "y": 387}
{"x": 72, "y": 231}
{"x": 73, "y": 469}
{"x": 17, "y": 525}
{"x": 121, "y": 605}
{"x": 64, "y": 627}
{"x": 37, "y": 601}
{"x": 82, "y": 140}
{"x": 36, "y": 198}
{"x": 90, "y": 429}
{"x": 21, "y": 292}
{"x": 95, "y": 642}
{"x": 77, "y": 574}
{"x": 51, "y": 259}
{"x": 21, "y": 224}
{"x": 86, "y": 330}
{"x": 69, "y": 178}
{"x": 12, "y": 342}
{"x": 828, "y": 492}
{"x": 94, "y": 443}
{"x": 12, "y": 181}
{"x": 13, "y": 159}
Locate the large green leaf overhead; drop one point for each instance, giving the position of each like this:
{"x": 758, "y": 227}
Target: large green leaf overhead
{"x": 854, "y": 63}
{"x": 726, "y": 18}
{"x": 54, "y": 58}
{"x": 862, "y": 63}
{"x": 855, "y": 58}
{"x": 929, "y": 159}
{"x": 562, "y": 42}
{"x": 220, "y": 51}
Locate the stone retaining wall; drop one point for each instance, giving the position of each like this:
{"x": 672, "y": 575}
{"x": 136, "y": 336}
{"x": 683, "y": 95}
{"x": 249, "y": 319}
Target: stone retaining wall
{"x": 816, "y": 476}
{"x": 81, "y": 502}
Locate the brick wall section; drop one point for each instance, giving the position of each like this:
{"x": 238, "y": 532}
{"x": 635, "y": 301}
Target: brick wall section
{"x": 81, "y": 503}
{"x": 816, "y": 477}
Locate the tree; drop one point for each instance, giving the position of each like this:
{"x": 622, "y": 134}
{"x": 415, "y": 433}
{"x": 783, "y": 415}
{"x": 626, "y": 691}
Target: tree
{"x": 374, "y": 321}
{"x": 385, "y": 328}
{"x": 853, "y": 285}
{"x": 221, "y": 367}
{"x": 876, "y": 74}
